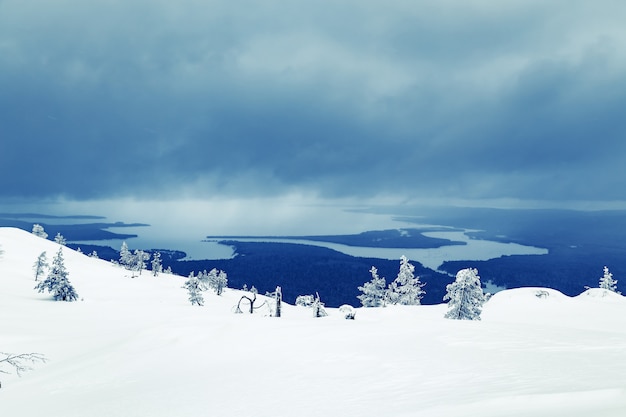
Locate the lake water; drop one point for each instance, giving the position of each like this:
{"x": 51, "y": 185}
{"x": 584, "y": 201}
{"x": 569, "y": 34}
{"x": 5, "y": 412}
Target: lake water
{"x": 184, "y": 224}
{"x": 474, "y": 249}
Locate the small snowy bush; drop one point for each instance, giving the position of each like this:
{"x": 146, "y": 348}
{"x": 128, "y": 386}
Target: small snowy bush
{"x": 348, "y": 311}
{"x": 305, "y": 300}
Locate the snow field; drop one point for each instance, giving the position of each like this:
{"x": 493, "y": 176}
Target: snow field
{"x": 136, "y": 347}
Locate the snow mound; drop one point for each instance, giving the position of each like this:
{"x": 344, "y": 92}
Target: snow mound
{"x": 526, "y": 294}
{"x": 602, "y": 295}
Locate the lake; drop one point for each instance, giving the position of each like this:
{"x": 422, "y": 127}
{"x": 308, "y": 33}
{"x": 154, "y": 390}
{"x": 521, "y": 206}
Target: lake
{"x": 474, "y": 249}
{"x": 184, "y": 224}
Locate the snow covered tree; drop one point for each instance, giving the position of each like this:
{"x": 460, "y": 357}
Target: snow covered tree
{"x": 138, "y": 261}
{"x": 218, "y": 280}
{"x": 60, "y": 239}
{"x": 278, "y": 302}
{"x": 214, "y": 279}
{"x": 318, "y": 307}
{"x": 156, "y": 264}
{"x": 65, "y": 291}
{"x": 38, "y": 231}
{"x": 57, "y": 282}
{"x": 203, "y": 278}
{"x": 349, "y": 313}
{"x": 56, "y": 273}
{"x": 275, "y": 302}
{"x": 607, "y": 282}
{"x": 126, "y": 258}
{"x": 40, "y": 265}
{"x": 406, "y": 289}
{"x": 194, "y": 289}
{"x": 250, "y": 302}
{"x": 373, "y": 291}
{"x": 305, "y": 300}
{"x": 94, "y": 255}
{"x": 465, "y": 295}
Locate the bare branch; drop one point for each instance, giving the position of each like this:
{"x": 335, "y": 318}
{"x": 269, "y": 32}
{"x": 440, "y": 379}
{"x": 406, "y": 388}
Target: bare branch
{"x": 20, "y": 362}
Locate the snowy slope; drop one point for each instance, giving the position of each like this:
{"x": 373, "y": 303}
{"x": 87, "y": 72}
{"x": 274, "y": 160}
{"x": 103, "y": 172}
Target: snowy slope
{"x": 136, "y": 347}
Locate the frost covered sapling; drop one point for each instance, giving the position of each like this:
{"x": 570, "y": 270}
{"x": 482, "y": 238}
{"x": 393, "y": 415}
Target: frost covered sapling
{"x": 305, "y": 300}
{"x": 40, "y": 265}
{"x": 607, "y": 282}
{"x": 156, "y": 264}
{"x": 126, "y": 258}
{"x": 374, "y": 292}
{"x": 406, "y": 289}
{"x": 465, "y": 295}
{"x": 194, "y": 290}
{"x": 57, "y": 282}
{"x": 277, "y": 297}
{"x": 60, "y": 239}
{"x": 38, "y": 231}
{"x": 318, "y": 307}
{"x": 138, "y": 262}
{"x": 218, "y": 280}
{"x": 214, "y": 279}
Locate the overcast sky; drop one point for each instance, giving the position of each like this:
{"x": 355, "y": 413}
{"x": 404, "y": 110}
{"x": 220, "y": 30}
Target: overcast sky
{"x": 473, "y": 99}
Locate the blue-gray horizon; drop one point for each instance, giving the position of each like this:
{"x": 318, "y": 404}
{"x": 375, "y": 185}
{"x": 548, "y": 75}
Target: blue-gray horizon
{"x": 475, "y": 100}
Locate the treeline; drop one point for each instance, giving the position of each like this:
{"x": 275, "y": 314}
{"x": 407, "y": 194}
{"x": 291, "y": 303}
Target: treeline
{"x": 303, "y": 269}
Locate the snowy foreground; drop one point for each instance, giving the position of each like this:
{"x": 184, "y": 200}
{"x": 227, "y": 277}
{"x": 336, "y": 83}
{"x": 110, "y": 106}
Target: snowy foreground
{"x": 136, "y": 347}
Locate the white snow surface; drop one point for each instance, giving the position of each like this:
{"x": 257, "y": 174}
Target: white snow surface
{"x": 136, "y": 347}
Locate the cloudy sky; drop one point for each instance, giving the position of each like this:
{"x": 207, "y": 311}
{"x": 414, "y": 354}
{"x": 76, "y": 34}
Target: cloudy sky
{"x": 354, "y": 99}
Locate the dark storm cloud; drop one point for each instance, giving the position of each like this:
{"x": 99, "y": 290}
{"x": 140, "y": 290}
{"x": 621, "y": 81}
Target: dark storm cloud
{"x": 475, "y": 99}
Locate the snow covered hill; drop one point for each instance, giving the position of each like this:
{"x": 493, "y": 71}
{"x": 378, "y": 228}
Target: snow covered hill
{"x": 136, "y": 347}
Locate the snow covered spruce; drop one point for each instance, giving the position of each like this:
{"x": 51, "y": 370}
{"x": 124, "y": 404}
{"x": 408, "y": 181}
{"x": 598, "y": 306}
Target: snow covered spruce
{"x": 465, "y": 295}
{"x": 136, "y": 261}
{"x": 39, "y": 231}
{"x": 194, "y": 290}
{"x": 195, "y": 285}
{"x": 57, "y": 282}
{"x": 374, "y": 292}
{"x": 607, "y": 282}
{"x": 406, "y": 289}
{"x": 40, "y": 265}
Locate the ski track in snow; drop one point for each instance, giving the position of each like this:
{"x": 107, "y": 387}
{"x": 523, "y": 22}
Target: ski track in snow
{"x": 136, "y": 347}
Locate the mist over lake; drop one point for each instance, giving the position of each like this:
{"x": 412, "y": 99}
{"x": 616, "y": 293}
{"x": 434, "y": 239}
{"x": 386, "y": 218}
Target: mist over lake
{"x": 183, "y": 225}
